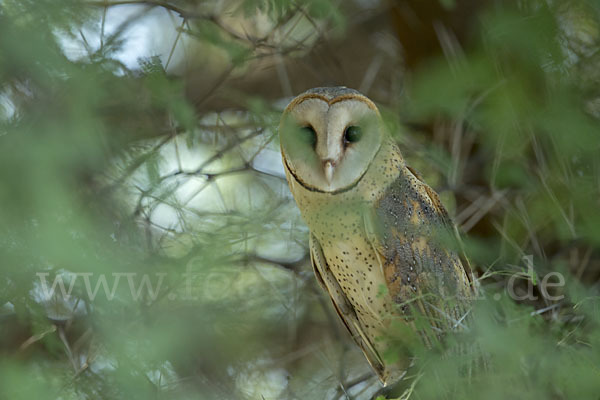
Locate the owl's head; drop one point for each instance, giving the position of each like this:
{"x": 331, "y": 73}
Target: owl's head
{"x": 329, "y": 136}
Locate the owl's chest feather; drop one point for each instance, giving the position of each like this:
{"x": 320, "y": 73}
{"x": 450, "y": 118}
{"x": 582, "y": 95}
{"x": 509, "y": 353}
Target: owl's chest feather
{"x": 338, "y": 224}
{"x": 336, "y": 220}
{"x": 356, "y": 268}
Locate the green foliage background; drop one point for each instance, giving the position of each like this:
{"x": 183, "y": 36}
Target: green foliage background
{"x": 169, "y": 169}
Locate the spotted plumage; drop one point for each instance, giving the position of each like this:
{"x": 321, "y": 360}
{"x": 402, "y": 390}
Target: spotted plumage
{"x": 380, "y": 239}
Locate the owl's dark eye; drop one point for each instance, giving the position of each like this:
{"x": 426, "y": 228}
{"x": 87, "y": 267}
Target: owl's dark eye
{"x": 353, "y": 134}
{"x": 308, "y": 135}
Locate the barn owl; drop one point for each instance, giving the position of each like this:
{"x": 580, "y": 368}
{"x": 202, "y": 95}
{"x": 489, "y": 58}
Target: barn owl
{"x": 378, "y": 234}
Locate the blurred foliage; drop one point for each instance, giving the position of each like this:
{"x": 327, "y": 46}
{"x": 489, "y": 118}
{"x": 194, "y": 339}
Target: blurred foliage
{"x": 153, "y": 189}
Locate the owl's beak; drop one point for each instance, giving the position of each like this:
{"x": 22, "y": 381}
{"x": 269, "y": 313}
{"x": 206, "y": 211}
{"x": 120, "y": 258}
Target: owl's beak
{"x": 328, "y": 167}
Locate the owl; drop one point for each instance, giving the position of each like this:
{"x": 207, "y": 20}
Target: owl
{"x": 381, "y": 242}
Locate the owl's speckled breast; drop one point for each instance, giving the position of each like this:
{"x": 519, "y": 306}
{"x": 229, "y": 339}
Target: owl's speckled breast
{"x": 337, "y": 222}
{"x": 356, "y": 268}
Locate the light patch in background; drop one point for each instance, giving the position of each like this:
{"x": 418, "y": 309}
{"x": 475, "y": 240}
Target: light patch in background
{"x": 7, "y": 108}
{"x": 260, "y": 384}
{"x": 269, "y": 162}
{"x": 145, "y": 32}
{"x": 49, "y": 293}
{"x": 166, "y": 217}
{"x": 196, "y": 184}
{"x": 7, "y": 309}
{"x": 274, "y": 247}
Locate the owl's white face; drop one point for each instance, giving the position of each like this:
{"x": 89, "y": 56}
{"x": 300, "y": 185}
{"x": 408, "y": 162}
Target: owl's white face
{"x": 328, "y": 141}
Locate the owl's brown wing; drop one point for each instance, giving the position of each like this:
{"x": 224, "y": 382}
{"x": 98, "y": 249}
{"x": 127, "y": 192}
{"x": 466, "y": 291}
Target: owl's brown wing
{"x": 414, "y": 239}
{"x": 450, "y": 227}
{"x": 344, "y": 309}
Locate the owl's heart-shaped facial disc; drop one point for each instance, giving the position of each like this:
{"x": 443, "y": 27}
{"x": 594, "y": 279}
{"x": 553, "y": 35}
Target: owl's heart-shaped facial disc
{"x": 329, "y": 138}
